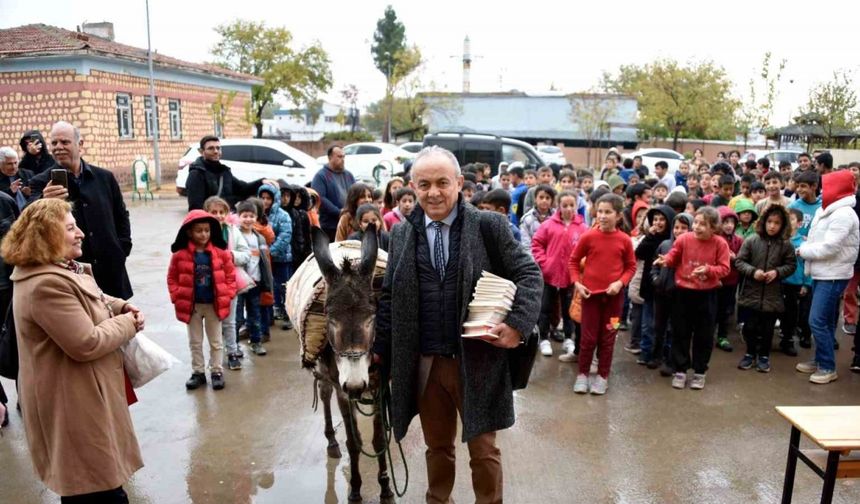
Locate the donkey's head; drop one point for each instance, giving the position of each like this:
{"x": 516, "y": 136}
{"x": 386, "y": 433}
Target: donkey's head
{"x": 350, "y": 309}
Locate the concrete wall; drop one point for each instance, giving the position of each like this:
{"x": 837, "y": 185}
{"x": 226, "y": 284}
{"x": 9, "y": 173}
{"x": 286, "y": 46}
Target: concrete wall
{"x": 37, "y": 99}
{"x": 844, "y": 156}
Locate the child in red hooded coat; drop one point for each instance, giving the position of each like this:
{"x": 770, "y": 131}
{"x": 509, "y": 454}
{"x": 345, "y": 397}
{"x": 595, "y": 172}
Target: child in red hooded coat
{"x": 202, "y": 283}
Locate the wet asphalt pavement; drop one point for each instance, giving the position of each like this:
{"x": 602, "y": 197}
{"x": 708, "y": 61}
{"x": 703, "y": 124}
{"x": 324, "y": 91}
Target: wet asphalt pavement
{"x": 260, "y": 441}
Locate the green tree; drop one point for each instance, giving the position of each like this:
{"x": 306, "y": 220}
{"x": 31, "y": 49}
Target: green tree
{"x": 833, "y": 106}
{"x": 252, "y": 48}
{"x": 693, "y": 101}
{"x": 756, "y": 111}
{"x": 220, "y": 108}
{"x": 393, "y": 58}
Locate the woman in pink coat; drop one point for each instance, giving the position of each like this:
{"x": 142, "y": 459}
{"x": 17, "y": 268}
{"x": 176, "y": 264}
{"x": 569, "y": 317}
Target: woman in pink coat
{"x": 551, "y": 248}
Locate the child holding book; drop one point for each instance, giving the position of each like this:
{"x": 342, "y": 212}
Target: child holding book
{"x": 611, "y": 265}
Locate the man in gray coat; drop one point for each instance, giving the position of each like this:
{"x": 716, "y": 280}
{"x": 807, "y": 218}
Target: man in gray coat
{"x": 434, "y": 261}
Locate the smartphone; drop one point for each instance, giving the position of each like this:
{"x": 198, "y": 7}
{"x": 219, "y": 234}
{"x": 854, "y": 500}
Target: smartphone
{"x": 60, "y": 177}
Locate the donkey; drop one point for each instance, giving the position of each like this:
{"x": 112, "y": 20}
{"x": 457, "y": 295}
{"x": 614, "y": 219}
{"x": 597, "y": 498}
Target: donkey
{"x": 343, "y": 366}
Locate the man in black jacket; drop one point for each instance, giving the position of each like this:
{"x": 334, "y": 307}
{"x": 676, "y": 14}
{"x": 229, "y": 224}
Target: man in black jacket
{"x": 435, "y": 261}
{"x": 35, "y": 149}
{"x": 207, "y": 176}
{"x": 8, "y": 213}
{"x": 97, "y": 206}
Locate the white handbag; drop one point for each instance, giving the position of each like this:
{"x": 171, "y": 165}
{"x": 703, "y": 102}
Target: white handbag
{"x": 144, "y": 359}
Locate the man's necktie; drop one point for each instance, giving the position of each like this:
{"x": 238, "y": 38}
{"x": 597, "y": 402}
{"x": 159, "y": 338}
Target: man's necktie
{"x": 439, "y": 250}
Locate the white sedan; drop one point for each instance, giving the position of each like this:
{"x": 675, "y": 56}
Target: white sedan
{"x": 550, "y": 154}
{"x": 651, "y": 156}
{"x": 373, "y": 162}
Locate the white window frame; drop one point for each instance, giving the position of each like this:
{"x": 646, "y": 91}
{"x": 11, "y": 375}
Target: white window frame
{"x": 124, "y": 116}
{"x": 148, "y": 118}
{"x": 174, "y": 118}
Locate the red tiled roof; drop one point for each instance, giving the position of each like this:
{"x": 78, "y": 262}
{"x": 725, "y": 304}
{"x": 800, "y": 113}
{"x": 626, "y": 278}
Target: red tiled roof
{"x": 44, "y": 40}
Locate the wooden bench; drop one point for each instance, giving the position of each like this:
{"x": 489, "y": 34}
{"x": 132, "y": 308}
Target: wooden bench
{"x": 848, "y": 467}
{"x": 836, "y": 431}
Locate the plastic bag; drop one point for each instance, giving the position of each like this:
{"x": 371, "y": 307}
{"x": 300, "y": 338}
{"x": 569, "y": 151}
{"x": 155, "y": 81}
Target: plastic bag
{"x": 144, "y": 359}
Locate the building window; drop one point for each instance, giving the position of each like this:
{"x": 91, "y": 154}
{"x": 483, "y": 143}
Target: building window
{"x": 331, "y": 119}
{"x": 174, "y": 111}
{"x": 123, "y": 116}
{"x": 148, "y": 117}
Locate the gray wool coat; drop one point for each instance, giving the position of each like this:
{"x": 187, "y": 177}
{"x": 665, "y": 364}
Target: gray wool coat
{"x": 484, "y": 371}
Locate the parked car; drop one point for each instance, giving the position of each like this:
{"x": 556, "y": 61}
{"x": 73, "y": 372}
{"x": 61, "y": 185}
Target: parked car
{"x": 490, "y": 149}
{"x": 775, "y": 156}
{"x": 551, "y": 154}
{"x": 373, "y": 162}
{"x": 251, "y": 159}
{"x": 413, "y": 147}
{"x": 651, "y": 156}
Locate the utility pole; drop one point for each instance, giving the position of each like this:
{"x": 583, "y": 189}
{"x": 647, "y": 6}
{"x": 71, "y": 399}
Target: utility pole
{"x": 154, "y": 114}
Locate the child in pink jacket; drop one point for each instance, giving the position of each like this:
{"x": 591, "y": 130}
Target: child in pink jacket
{"x": 552, "y": 245}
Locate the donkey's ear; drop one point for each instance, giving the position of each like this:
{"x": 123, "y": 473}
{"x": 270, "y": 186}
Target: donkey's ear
{"x": 322, "y": 254}
{"x": 369, "y": 249}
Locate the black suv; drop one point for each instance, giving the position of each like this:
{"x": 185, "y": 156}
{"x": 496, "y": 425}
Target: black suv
{"x": 490, "y": 149}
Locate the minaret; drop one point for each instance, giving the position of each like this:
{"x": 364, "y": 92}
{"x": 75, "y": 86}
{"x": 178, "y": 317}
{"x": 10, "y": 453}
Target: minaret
{"x": 467, "y": 63}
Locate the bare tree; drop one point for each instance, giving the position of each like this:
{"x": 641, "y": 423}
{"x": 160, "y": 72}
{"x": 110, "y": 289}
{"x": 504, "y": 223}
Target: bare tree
{"x": 591, "y": 112}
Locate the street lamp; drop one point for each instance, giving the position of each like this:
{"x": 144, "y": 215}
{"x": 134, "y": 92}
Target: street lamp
{"x": 154, "y": 114}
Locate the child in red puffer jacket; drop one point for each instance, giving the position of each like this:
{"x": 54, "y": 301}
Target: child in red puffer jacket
{"x": 202, "y": 284}
{"x": 552, "y": 245}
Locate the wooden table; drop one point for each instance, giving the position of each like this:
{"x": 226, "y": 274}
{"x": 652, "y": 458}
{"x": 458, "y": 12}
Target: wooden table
{"x": 836, "y": 430}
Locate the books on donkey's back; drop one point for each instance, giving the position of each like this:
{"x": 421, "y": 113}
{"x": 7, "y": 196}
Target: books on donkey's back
{"x": 491, "y": 303}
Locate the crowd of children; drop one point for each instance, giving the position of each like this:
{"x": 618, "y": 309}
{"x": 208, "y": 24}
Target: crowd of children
{"x": 677, "y": 259}
{"x": 681, "y": 260}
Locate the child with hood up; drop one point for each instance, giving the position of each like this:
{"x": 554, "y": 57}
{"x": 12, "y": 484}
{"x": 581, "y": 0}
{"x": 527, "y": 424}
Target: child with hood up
{"x": 747, "y": 215}
{"x": 765, "y": 259}
{"x": 830, "y": 252}
{"x": 658, "y": 230}
{"x": 281, "y": 249}
{"x": 36, "y": 156}
{"x": 202, "y": 283}
{"x": 314, "y": 207}
{"x": 663, "y": 282}
{"x": 727, "y": 293}
{"x": 301, "y": 206}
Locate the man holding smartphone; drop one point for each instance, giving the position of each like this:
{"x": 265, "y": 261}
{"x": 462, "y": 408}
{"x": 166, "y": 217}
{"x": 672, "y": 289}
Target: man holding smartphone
{"x": 97, "y": 206}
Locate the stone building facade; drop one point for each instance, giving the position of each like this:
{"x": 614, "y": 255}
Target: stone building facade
{"x": 103, "y": 88}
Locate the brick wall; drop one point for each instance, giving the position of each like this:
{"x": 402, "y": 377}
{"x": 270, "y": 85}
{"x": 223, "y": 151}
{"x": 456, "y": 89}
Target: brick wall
{"x": 35, "y": 100}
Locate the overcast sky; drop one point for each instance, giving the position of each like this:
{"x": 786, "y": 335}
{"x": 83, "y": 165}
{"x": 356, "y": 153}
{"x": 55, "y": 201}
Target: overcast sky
{"x": 532, "y": 47}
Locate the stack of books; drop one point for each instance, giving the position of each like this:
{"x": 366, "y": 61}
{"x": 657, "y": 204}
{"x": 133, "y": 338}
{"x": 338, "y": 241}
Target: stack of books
{"x": 493, "y": 299}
